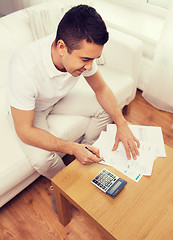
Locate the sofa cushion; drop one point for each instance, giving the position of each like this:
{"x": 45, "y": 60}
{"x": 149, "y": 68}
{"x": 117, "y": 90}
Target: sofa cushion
{"x": 3, "y": 104}
{"x": 44, "y": 20}
{"x": 16, "y": 33}
{"x": 120, "y": 83}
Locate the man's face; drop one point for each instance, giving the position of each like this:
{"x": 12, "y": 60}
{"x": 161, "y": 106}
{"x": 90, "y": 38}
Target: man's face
{"x": 81, "y": 60}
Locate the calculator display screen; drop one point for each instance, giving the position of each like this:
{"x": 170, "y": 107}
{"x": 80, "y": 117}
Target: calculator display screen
{"x": 112, "y": 190}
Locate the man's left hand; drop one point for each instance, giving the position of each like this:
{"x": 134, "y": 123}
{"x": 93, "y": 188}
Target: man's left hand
{"x": 130, "y": 142}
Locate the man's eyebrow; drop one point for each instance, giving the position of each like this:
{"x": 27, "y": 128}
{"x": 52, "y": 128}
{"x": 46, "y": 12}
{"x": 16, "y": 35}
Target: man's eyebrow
{"x": 89, "y": 58}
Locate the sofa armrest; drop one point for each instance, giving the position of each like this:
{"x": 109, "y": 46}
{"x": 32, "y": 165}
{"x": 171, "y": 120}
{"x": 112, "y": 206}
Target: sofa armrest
{"x": 123, "y": 53}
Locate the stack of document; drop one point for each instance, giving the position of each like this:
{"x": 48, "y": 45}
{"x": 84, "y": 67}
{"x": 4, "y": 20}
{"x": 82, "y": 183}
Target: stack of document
{"x": 151, "y": 147}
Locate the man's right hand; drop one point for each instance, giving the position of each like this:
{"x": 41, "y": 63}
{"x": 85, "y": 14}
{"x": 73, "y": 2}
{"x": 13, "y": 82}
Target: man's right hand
{"x": 84, "y": 156}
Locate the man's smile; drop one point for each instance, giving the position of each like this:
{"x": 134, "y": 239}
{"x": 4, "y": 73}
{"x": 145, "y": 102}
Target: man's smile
{"x": 81, "y": 70}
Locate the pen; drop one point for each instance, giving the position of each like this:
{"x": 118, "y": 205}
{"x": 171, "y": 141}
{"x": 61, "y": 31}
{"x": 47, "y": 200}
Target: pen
{"x": 90, "y": 150}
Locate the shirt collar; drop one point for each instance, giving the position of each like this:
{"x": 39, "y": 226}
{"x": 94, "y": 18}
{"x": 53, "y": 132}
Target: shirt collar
{"x": 47, "y": 58}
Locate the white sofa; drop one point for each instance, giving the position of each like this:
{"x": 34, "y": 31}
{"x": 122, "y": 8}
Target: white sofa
{"x": 122, "y": 55}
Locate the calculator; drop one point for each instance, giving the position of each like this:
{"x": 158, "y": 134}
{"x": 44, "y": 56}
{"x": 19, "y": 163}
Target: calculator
{"x": 108, "y": 182}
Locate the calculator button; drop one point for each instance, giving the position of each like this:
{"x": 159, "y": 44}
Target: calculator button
{"x": 95, "y": 181}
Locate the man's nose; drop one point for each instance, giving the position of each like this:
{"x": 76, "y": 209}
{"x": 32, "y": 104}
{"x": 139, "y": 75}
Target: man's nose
{"x": 88, "y": 65}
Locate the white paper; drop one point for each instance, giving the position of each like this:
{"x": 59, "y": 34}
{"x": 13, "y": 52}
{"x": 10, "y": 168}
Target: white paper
{"x": 151, "y": 146}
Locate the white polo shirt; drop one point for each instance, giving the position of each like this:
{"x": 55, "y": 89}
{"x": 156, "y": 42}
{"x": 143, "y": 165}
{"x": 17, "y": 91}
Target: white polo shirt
{"x": 34, "y": 81}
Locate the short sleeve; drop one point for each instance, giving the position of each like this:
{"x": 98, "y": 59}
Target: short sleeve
{"x": 21, "y": 94}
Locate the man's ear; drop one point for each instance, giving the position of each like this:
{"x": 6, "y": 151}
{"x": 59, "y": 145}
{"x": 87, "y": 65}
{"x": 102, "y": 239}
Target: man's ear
{"x": 61, "y": 46}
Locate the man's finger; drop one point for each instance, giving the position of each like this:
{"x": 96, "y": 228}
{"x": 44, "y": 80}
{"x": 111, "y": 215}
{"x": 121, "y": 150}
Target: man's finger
{"x": 115, "y": 144}
{"x": 137, "y": 142}
{"x": 96, "y": 159}
{"x": 133, "y": 149}
{"x": 127, "y": 149}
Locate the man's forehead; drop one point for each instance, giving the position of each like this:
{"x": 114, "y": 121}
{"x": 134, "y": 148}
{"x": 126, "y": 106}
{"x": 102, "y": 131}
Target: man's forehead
{"x": 88, "y": 51}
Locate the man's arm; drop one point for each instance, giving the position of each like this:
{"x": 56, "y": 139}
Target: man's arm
{"x": 108, "y": 101}
{"x": 23, "y": 122}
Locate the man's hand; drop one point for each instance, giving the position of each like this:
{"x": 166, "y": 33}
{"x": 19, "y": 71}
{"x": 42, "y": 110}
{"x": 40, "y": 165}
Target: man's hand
{"x": 129, "y": 141}
{"x": 86, "y": 157}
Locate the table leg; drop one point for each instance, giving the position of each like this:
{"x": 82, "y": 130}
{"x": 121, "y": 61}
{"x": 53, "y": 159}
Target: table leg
{"x": 63, "y": 207}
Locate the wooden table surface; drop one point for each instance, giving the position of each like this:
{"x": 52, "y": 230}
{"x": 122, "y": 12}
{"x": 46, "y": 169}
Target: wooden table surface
{"x": 141, "y": 211}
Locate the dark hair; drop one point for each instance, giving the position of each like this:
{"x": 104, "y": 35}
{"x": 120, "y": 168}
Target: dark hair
{"x": 81, "y": 22}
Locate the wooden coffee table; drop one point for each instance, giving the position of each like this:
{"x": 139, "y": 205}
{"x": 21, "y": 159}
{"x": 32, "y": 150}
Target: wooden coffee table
{"x": 142, "y": 211}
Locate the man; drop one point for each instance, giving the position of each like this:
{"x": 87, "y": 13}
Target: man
{"x": 41, "y": 76}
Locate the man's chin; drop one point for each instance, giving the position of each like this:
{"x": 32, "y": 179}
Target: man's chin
{"x": 76, "y": 73}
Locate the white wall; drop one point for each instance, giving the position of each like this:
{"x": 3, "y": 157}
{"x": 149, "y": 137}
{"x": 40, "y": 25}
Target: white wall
{"x": 6, "y": 7}
{"x": 9, "y": 6}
